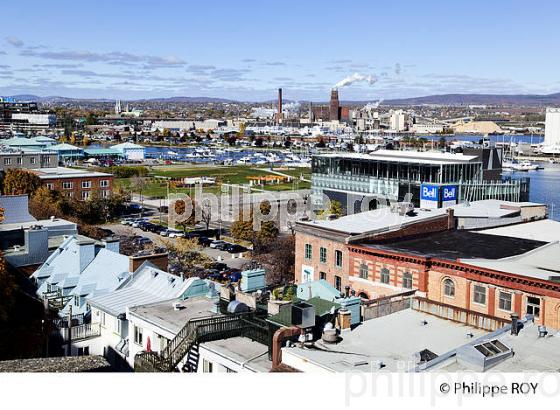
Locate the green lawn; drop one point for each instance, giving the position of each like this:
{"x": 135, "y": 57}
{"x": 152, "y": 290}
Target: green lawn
{"x": 231, "y": 175}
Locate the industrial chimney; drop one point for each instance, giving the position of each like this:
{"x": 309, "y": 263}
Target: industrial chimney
{"x": 279, "y": 113}
{"x": 334, "y": 106}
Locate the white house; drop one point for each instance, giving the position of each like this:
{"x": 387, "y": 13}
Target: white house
{"x": 118, "y": 341}
{"x": 132, "y": 152}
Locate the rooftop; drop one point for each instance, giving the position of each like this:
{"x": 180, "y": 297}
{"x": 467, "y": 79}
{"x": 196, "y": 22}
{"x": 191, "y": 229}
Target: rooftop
{"x": 16, "y": 209}
{"x": 378, "y": 220}
{"x": 62, "y": 172}
{"x": 392, "y": 340}
{"x": 245, "y": 352}
{"x": 164, "y": 316}
{"x": 541, "y": 263}
{"x": 491, "y": 208}
{"x": 57, "y": 365}
{"x": 459, "y": 244}
{"x": 545, "y": 230}
{"x": 418, "y": 157}
{"x": 531, "y": 352}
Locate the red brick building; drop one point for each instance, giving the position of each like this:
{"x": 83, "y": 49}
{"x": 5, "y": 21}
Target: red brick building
{"x": 492, "y": 275}
{"x": 76, "y": 183}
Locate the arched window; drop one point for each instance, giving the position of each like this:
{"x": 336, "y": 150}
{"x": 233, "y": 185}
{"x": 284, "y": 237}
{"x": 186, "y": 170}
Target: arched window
{"x": 385, "y": 276}
{"x": 364, "y": 273}
{"x": 448, "y": 288}
{"x": 363, "y": 295}
{"x": 407, "y": 280}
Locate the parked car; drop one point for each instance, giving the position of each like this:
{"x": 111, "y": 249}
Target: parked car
{"x": 234, "y": 275}
{"x": 204, "y": 241}
{"x": 127, "y": 221}
{"x": 142, "y": 241}
{"x": 222, "y": 246}
{"x": 216, "y": 243}
{"x": 234, "y": 248}
{"x": 175, "y": 233}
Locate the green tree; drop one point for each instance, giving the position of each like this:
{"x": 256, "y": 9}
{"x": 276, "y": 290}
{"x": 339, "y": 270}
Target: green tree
{"x": 20, "y": 182}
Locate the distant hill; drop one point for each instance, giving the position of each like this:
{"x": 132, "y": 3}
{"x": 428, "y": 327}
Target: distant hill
{"x": 484, "y": 99}
{"x": 443, "y": 99}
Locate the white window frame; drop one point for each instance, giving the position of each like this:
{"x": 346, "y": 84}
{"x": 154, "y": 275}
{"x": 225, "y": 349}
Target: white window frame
{"x": 533, "y": 306}
{"x": 385, "y": 276}
{"x": 86, "y": 195}
{"x": 407, "y": 278}
{"x": 104, "y": 183}
{"x": 448, "y": 288}
{"x": 364, "y": 271}
{"x": 138, "y": 335}
{"x": 67, "y": 185}
{"x": 480, "y": 294}
{"x": 500, "y": 299}
{"x": 86, "y": 184}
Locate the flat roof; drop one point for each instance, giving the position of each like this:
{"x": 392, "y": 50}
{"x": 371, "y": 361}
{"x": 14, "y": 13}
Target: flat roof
{"x": 420, "y": 157}
{"x": 534, "y": 353}
{"x": 46, "y": 223}
{"x": 165, "y": 316}
{"x": 540, "y": 263}
{"x": 245, "y": 352}
{"x": 62, "y": 172}
{"x": 459, "y": 244}
{"x": 392, "y": 340}
{"x": 378, "y": 220}
{"x": 546, "y": 230}
{"x": 491, "y": 208}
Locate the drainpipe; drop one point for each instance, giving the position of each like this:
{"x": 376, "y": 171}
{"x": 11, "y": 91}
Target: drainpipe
{"x": 277, "y": 341}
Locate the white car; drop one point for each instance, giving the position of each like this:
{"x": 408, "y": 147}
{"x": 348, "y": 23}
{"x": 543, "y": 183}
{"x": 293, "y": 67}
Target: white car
{"x": 216, "y": 243}
{"x": 175, "y": 233}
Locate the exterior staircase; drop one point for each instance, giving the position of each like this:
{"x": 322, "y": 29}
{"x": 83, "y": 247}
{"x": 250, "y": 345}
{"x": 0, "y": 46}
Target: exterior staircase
{"x": 201, "y": 330}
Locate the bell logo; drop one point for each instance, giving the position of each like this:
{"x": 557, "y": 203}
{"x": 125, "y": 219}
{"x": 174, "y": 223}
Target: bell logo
{"x": 429, "y": 192}
{"x": 449, "y": 193}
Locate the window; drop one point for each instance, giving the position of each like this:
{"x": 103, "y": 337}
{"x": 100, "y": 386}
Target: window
{"x": 47, "y": 160}
{"x": 83, "y": 351}
{"x": 102, "y": 318}
{"x": 7, "y": 161}
{"x": 385, "y": 275}
{"x": 364, "y": 272}
{"x": 207, "y": 366}
{"x": 323, "y": 275}
{"x": 118, "y": 326}
{"x": 138, "y": 335}
{"x": 323, "y": 255}
{"x": 308, "y": 251}
{"x": 338, "y": 283}
{"x": 50, "y": 185}
{"x": 104, "y": 183}
{"x": 479, "y": 294}
{"x": 32, "y": 160}
{"x": 448, "y": 288}
{"x": 105, "y": 193}
{"x": 407, "y": 280}
{"x": 505, "y": 301}
{"x": 86, "y": 184}
{"x": 76, "y": 300}
{"x": 338, "y": 259}
{"x": 85, "y": 195}
{"x": 67, "y": 185}
{"x": 19, "y": 161}
{"x": 533, "y": 306}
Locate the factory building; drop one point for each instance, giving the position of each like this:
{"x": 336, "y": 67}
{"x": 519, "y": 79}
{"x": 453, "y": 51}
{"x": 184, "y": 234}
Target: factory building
{"x": 551, "y": 143}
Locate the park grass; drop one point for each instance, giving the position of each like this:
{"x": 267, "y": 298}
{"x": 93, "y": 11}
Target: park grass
{"x": 228, "y": 175}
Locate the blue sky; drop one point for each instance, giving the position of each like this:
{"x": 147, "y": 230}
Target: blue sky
{"x": 246, "y": 49}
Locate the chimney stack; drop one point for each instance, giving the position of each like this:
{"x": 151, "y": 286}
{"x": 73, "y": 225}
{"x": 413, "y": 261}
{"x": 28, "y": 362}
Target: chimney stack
{"x": 279, "y": 114}
{"x": 334, "y": 106}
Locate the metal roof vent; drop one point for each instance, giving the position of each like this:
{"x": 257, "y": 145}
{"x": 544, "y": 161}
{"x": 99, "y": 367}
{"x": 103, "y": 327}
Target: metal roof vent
{"x": 485, "y": 355}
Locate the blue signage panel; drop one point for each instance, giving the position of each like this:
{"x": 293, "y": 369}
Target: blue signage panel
{"x": 429, "y": 192}
{"x": 449, "y": 193}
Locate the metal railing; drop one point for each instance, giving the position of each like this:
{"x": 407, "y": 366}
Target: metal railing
{"x": 201, "y": 330}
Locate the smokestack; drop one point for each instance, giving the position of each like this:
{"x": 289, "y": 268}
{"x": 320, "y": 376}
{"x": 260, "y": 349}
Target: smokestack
{"x": 279, "y": 114}
{"x": 334, "y": 106}
{"x": 514, "y": 324}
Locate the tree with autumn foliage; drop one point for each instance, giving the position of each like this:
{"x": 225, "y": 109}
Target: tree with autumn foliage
{"x": 20, "y": 182}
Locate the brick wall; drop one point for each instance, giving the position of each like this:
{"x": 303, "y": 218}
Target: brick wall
{"x": 75, "y": 192}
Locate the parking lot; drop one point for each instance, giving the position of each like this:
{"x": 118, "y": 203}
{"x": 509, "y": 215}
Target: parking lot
{"x": 232, "y": 260}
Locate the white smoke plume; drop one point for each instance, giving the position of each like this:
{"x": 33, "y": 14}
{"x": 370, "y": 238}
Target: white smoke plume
{"x": 370, "y": 79}
{"x": 372, "y": 105}
{"x": 291, "y": 107}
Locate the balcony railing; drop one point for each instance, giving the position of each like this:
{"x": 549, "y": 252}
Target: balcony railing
{"x": 81, "y": 332}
